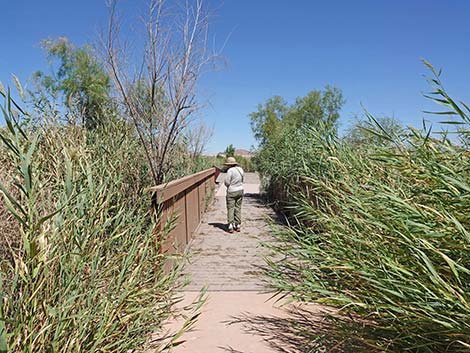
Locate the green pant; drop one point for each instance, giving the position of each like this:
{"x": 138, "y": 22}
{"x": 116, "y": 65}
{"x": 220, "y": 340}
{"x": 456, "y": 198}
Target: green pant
{"x": 234, "y": 207}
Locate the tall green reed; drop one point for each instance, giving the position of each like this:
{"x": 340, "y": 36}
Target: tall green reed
{"x": 382, "y": 233}
{"x": 88, "y": 274}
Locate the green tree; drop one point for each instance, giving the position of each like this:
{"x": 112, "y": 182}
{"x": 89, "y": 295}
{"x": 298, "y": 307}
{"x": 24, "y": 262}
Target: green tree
{"x": 318, "y": 109}
{"x": 230, "y": 151}
{"x": 266, "y": 121}
{"x": 79, "y": 79}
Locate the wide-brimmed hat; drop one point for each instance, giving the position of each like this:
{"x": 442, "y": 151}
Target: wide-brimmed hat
{"x": 231, "y": 161}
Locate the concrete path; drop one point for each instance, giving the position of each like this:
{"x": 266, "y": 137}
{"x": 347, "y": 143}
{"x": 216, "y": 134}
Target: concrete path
{"x": 229, "y": 266}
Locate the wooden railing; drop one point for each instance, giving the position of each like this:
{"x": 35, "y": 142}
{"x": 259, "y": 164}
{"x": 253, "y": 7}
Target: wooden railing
{"x": 186, "y": 199}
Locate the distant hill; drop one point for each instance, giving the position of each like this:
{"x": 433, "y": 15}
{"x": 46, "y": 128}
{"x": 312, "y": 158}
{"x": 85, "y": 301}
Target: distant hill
{"x": 239, "y": 152}
{"x": 244, "y": 153}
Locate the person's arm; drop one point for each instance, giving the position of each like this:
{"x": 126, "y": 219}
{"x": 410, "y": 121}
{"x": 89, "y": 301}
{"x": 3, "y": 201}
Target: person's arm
{"x": 228, "y": 178}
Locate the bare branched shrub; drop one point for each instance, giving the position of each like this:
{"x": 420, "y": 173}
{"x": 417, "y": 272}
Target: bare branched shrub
{"x": 198, "y": 137}
{"x": 159, "y": 97}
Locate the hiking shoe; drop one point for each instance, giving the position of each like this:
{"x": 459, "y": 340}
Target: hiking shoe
{"x": 237, "y": 227}
{"x": 230, "y": 228}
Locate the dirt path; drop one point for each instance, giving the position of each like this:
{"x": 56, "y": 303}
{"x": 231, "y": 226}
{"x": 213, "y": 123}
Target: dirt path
{"x": 229, "y": 266}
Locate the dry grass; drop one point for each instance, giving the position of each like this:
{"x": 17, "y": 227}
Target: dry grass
{"x": 9, "y": 228}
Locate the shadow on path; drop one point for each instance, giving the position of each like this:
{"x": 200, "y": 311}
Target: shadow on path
{"x": 306, "y": 328}
{"x": 252, "y": 196}
{"x": 218, "y": 225}
{"x": 300, "y": 331}
{"x": 230, "y": 350}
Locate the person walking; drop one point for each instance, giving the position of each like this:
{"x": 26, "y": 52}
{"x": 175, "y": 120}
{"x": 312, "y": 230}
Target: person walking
{"x": 234, "y": 183}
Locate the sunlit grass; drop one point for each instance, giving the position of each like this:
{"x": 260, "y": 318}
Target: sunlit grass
{"x": 381, "y": 232}
{"x": 86, "y": 272}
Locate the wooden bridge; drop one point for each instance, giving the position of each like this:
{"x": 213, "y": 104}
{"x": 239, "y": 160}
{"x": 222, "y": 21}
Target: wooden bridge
{"x": 228, "y": 265}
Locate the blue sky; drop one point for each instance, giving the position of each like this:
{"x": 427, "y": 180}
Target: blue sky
{"x": 370, "y": 49}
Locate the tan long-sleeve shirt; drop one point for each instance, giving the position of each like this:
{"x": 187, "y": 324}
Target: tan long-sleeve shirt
{"x": 234, "y": 179}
